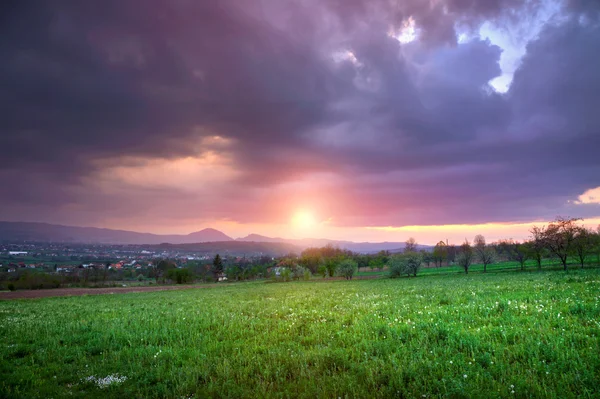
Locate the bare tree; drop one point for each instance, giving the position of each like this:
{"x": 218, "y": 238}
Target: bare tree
{"x": 465, "y": 256}
{"x": 410, "y": 245}
{"x": 485, "y": 254}
{"x": 559, "y": 237}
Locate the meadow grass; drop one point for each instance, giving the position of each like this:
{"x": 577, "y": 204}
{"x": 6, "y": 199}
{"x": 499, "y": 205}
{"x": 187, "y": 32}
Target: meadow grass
{"x": 531, "y": 334}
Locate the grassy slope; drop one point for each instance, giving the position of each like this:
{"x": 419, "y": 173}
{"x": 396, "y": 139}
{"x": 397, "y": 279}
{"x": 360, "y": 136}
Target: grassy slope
{"x": 461, "y": 336}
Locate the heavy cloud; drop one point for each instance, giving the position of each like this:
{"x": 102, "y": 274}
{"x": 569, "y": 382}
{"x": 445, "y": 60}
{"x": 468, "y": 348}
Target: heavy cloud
{"x": 247, "y": 110}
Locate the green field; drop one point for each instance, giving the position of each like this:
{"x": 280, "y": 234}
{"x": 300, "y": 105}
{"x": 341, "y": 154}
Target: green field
{"x": 527, "y": 334}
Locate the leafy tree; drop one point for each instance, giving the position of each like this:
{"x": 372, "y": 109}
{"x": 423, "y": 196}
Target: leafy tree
{"x": 405, "y": 264}
{"x": 330, "y": 264}
{"x": 516, "y": 251}
{"x": 412, "y": 263}
{"x": 485, "y": 254}
{"x": 362, "y": 260}
{"x": 396, "y": 266}
{"x": 464, "y": 258}
{"x": 161, "y": 269}
{"x": 427, "y": 257}
{"x": 180, "y": 276}
{"x": 596, "y": 244}
{"x": 380, "y": 260}
{"x": 347, "y": 268}
{"x": 440, "y": 253}
{"x": 583, "y": 244}
{"x": 217, "y": 266}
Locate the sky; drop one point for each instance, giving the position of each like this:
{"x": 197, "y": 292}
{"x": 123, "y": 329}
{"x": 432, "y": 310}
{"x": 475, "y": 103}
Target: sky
{"x": 365, "y": 120}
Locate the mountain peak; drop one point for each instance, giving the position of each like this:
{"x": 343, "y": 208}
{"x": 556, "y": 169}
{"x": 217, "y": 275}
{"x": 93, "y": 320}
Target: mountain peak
{"x": 209, "y": 235}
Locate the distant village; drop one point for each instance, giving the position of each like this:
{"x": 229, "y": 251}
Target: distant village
{"x": 47, "y": 265}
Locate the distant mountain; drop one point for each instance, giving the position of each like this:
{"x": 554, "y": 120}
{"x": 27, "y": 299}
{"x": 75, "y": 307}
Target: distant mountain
{"x": 207, "y": 235}
{"x": 44, "y": 232}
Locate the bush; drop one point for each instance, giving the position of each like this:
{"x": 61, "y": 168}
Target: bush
{"x": 301, "y": 273}
{"x": 11, "y": 287}
{"x": 347, "y": 268}
{"x": 307, "y": 275}
{"x": 405, "y": 264}
{"x": 286, "y": 274}
{"x": 396, "y": 265}
{"x": 180, "y": 276}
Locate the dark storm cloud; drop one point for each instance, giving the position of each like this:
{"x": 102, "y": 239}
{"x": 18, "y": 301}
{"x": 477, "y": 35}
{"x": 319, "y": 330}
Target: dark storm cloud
{"x": 413, "y": 132}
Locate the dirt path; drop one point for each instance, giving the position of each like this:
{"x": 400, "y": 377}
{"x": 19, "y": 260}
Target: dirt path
{"x": 30, "y": 294}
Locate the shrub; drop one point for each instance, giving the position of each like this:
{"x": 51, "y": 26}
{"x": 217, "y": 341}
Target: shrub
{"x": 307, "y": 275}
{"x": 286, "y": 274}
{"x": 347, "y": 268}
{"x": 408, "y": 263}
{"x": 180, "y": 276}
{"x": 396, "y": 265}
{"x": 301, "y": 273}
{"x": 11, "y": 287}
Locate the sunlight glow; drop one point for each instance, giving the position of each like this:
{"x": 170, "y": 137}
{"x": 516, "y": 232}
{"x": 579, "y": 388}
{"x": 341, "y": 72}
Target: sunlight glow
{"x": 303, "y": 220}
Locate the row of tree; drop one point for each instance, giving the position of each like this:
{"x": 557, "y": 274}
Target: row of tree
{"x": 563, "y": 239}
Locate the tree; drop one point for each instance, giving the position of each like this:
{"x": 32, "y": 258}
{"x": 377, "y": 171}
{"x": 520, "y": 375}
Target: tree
{"x": 484, "y": 253}
{"x": 452, "y": 251}
{"x": 396, "y": 266}
{"x": 408, "y": 263}
{"x": 217, "y": 266}
{"x": 464, "y": 258}
{"x": 347, "y": 268}
{"x": 180, "y": 276}
{"x": 537, "y": 246}
{"x": 559, "y": 236}
{"x": 412, "y": 263}
{"x": 516, "y": 251}
{"x": 427, "y": 257}
{"x": 410, "y": 245}
{"x": 596, "y": 244}
{"x": 380, "y": 260}
{"x": 161, "y": 269}
{"x": 583, "y": 244}
{"x": 440, "y": 253}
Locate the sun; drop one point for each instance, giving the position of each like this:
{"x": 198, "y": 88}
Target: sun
{"x": 303, "y": 220}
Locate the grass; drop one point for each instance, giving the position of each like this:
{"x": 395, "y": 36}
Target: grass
{"x": 483, "y": 335}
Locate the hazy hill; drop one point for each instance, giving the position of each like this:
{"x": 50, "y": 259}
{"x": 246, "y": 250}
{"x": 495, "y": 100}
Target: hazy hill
{"x": 44, "y": 232}
{"x": 20, "y": 231}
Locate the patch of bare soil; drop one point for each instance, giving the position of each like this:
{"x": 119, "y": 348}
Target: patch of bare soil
{"x": 31, "y": 294}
